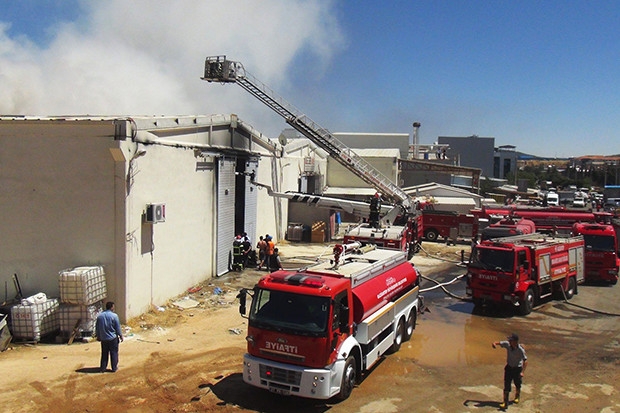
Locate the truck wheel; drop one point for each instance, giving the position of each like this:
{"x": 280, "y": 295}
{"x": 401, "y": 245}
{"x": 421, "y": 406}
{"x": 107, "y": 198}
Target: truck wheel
{"x": 431, "y": 235}
{"x": 572, "y": 287}
{"x": 411, "y": 322}
{"x": 349, "y": 377}
{"x": 527, "y": 304}
{"x": 399, "y": 335}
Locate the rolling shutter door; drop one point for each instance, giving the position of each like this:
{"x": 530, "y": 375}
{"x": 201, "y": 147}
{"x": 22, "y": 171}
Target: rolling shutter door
{"x": 225, "y": 212}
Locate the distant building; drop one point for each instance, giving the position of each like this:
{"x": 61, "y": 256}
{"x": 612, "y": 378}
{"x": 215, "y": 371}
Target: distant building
{"x": 504, "y": 161}
{"x": 472, "y": 151}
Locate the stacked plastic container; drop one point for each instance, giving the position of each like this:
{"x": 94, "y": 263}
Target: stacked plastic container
{"x": 82, "y": 291}
{"x": 70, "y": 314}
{"x": 34, "y": 318}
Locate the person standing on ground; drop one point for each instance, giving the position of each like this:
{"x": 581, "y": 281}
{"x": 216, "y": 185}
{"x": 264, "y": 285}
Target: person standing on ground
{"x": 276, "y": 263}
{"x": 262, "y": 247}
{"x": 516, "y": 362}
{"x": 269, "y": 253}
{"x": 247, "y": 252}
{"x": 108, "y": 331}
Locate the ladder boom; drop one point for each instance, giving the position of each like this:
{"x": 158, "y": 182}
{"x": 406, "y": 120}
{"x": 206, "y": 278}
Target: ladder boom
{"x": 220, "y": 69}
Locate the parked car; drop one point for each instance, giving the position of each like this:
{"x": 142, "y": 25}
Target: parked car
{"x": 579, "y": 202}
{"x": 553, "y": 199}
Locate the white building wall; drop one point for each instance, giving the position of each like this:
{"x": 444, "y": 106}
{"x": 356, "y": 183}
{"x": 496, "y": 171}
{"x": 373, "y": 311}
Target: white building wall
{"x": 165, "y": 259}
{"x": 57, "y": 197}
{"x": 339, "y": 176}
{"x": 72, "y": 195}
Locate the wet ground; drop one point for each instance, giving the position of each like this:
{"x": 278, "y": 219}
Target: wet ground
{"x": 193, "y": 364}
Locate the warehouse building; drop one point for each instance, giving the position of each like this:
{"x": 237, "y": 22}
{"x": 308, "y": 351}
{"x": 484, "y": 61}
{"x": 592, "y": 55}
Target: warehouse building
{"x": 156, "y": 201}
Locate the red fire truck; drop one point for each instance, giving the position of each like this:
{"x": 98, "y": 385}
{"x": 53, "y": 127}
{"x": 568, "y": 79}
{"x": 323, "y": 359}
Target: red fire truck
{"x": 521, "y": 270}
{"x": 507, "y": 227}
{"x": 405, "y": 237}
{"x": 549, "y": 219}
{"x": 313, "y": 332}
{"x": 449, "y": 225}
{"x": 601, "y": 257}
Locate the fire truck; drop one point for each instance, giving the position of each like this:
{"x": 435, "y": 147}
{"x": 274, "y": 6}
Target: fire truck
{"x": 601, "y": 257}
{"x": 507, "y": 227}
{"x": 523, "y": 269}
{"x": 549, "y": 219}
{"x": 448, "y": 225}
{"x": 314, "y": 332}
{"x": 220, "y": 69}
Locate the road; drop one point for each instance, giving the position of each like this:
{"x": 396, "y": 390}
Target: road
{"x": 188, "y": 360}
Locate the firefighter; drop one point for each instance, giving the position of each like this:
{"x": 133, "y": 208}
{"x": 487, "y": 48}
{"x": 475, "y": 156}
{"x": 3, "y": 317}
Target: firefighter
{"x": 516, "y": 362}
{"x": 237, "y": 254}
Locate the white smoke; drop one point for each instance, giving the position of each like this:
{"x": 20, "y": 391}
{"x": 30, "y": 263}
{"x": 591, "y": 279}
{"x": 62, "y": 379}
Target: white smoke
{"x": 146, "y": 57}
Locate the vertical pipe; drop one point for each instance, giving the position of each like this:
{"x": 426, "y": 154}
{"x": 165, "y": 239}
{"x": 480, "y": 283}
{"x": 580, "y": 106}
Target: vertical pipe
{"x": 416, "y": 127}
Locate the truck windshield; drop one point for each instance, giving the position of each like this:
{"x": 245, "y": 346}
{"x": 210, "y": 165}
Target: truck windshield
{"x": 493, "y": 259}
{"x": 288, "y": 312}
{"x": 600, "y": 243}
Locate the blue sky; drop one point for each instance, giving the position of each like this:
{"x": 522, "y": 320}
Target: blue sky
{"x": 540, "y": 75}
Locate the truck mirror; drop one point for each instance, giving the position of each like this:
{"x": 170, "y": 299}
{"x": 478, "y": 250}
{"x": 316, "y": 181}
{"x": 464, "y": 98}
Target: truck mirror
{"x": 242, "y": 300}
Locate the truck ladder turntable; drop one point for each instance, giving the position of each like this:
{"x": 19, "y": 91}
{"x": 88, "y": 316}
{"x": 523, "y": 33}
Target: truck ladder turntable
{"x": 220, "y": 69}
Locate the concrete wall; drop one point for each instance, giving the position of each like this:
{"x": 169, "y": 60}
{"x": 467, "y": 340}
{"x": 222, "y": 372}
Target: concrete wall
{"x": 72, "y": 195}
{"x": 339, "y": 176}
{"x": 58, "y": 185}
{"x": 165, "y": 259}
{"x": 376, "y": 140}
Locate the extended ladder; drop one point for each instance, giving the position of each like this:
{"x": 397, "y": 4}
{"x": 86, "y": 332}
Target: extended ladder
{"x": 219, "y": 69}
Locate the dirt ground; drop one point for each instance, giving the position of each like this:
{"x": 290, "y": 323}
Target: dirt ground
{"x": 177, "y": 359}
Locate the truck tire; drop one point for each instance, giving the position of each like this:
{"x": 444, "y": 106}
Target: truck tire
{"x": 527, "y": 304}
{"x": 399, "y": 336}
{"x": 411, "y": 322}
{"x": 349, "y": 378}
{"x": 571, "y": 289}
{"x": 431, "y": 235}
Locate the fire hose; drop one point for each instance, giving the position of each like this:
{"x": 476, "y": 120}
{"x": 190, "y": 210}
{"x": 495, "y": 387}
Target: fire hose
{"x": 443, "y": 287}
{"x": 587, "y": 308}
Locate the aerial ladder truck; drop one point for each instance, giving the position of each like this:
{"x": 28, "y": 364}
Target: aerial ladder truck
{"x": 220, "y": 69}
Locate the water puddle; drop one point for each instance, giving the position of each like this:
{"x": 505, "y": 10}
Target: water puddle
{"x": 446, "y": 337}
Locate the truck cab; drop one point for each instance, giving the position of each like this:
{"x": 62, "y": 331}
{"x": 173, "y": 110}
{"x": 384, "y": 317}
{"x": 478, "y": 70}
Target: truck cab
{"x": 602, "y": 262}
{"x": 500, "y": 273}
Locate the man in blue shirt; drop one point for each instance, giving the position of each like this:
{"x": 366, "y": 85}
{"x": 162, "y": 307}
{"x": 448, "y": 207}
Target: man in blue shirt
{"x": 516, "y": 362}
{"x": 108, "y": 330}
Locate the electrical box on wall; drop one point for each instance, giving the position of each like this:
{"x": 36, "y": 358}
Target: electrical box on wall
{"x": 155, "y": 213}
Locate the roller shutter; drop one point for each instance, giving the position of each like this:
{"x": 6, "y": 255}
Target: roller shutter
{"x": 225, "y": 212}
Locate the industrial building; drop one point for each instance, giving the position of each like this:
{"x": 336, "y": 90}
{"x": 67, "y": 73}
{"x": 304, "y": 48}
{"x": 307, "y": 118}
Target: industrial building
{"x": 156, "y": 201}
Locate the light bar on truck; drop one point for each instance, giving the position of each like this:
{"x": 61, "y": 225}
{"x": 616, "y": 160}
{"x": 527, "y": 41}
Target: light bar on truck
{"x": 299, "y": 279}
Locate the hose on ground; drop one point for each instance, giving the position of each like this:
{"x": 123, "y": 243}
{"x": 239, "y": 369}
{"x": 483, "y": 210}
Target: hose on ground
{"x": 443, "y": 287}
{"x": 587, "y": 308}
